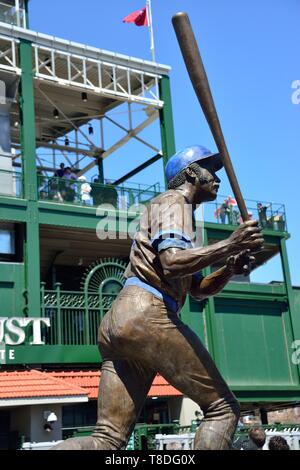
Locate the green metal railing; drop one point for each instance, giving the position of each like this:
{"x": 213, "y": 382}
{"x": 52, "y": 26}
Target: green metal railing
{"x": 11, "y": 184}
{"x": 74, "y": 316}
{"x": 143, "y": 436}
{"x": 74, "y": 191}
{"x": 271, "y": 215}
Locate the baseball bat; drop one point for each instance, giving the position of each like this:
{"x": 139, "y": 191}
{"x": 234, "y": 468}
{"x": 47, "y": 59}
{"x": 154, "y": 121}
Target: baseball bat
{"x": 196, "y": 70}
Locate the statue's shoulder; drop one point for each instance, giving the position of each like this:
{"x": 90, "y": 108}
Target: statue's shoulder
{"x": 171, "y": 196}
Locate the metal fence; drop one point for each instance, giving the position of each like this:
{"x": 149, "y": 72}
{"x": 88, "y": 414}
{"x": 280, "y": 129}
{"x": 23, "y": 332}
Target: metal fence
{"x": 74, "y": 316}
{"x": 74, "y": 191}
{"x": 224, "y": 210}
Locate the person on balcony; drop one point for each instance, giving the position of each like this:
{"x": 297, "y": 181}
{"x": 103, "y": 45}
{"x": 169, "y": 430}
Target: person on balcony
{"x": 61, "y": 171}
{"x": 69, "y": 185}
{"x": 85, "y": 191}
{"x": 262, "y": 214}
{"x": 142, "y": 334}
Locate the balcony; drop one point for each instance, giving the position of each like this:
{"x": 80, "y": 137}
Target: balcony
{"x": 89, "y": 194}
{"x": 272, "y": 216}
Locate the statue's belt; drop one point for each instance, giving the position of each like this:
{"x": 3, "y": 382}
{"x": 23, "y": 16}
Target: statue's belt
{"x": 170, "y": 303}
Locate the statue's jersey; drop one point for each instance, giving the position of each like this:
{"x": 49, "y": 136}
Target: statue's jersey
{"x": 167, "y": 222}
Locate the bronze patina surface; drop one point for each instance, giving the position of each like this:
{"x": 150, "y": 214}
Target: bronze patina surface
{"x": 142, "y": 333}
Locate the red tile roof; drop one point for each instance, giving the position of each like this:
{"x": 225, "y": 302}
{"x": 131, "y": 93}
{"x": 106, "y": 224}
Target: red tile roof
{"x": 33, "y": 384}
{"x": 89, "y": 381}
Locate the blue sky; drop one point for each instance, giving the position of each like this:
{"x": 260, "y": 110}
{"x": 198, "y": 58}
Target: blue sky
{"x": 251, "y": 54}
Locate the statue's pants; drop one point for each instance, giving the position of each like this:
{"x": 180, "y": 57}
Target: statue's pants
{"x": 139, "y": 337}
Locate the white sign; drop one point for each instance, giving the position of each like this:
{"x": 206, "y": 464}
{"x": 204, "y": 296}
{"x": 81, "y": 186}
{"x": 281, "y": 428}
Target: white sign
{"x": 16, "y": 325}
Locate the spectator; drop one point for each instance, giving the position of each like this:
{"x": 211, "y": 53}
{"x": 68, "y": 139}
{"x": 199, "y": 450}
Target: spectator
{"x": 85, "y": 191}
{"x": 278, "y": 443}
{"x": 198, "y": 418}
{"x": 258, "y": 436}
{"x": 61, "y": 171}
{"x": 70, "y": 188}
{"x": 262, "y": 214}
{"x": 254, "y": 441}
{"x": 225, "y": 210}
{"x": 54, "y": 191}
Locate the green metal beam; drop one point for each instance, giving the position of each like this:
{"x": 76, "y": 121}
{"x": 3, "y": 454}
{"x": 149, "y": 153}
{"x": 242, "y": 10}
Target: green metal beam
{"x": 166, "y": 120}
{"x": 28, "y": 138}
{"x": 294, "y": 315}
{"x": 13, "y": 209}
{"x": 139, "y": 168}
{"x": 28, "y": 122}
{"x": 100, "y": 170}
{"x": 27, "y": 13}
{"x": 210, "y": 313}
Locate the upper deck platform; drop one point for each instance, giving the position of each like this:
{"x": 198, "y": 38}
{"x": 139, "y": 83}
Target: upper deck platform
{"x": 63, "y": 69}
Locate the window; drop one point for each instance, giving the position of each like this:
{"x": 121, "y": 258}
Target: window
{"x": 11, "y": 242}
{"x": 7, "y": 242}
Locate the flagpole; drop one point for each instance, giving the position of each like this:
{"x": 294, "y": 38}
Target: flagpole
{"x": 149, "y": 12}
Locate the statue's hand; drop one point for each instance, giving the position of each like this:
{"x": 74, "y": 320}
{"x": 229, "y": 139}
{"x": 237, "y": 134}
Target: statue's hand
{"x": 241, "y": 263}
{"x": 247, "y": 236}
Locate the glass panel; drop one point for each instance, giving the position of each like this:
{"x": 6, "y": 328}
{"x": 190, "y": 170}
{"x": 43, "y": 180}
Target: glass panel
{"x": 10, "y": 14}
{"x": 7, "y": 242}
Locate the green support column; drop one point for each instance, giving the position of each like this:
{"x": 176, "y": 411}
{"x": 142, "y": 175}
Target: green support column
{"x": 210, "y": 314}
{"x": 166, "y": 120}
{"x": 294, "y": 316}
{"x": 32, "y": 243}
{"x": 100, "y": 170}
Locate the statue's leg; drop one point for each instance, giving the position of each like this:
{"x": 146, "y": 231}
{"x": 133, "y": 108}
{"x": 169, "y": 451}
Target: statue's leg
{"x": 187, "y": 365}
{"x": 123, "y": 389}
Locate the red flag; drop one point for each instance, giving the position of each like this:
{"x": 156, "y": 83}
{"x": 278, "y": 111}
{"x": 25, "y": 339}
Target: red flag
{"x": 139, "y": 17}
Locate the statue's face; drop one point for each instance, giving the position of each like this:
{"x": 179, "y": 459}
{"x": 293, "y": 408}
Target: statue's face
{"x": 207, "y": 185}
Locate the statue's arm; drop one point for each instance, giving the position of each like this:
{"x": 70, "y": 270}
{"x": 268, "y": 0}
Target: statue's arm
{"x": 211, "y": 284}
{"x": 182, "y": 262}
{"x": 203, "y": 287}
{"x": 179, "y": 263}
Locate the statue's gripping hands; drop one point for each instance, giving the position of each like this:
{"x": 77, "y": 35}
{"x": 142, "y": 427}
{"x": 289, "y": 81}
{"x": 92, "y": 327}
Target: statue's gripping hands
{"x": 142, "y": 333}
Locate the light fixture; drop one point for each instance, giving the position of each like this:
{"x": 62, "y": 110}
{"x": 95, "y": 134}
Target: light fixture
{"x": 55, "y": 113}
{"x": 16, "y": 123}
{"x": 84, "y": 96}
{"x": 91, "y": 129}
{"x": 48, "y": 427}
{"x": 67, "y": 142}
{"x": 154, "y": 398}
{"x": 50, "y": 416}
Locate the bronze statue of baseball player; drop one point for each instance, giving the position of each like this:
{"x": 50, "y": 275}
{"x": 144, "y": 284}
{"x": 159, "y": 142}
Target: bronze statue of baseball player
{"x": 142, "y": 333}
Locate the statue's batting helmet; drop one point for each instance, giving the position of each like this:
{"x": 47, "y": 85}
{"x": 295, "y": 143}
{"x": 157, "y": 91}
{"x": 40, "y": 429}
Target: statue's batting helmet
{"x": 189, "y": 155}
